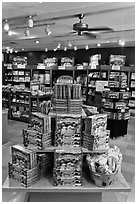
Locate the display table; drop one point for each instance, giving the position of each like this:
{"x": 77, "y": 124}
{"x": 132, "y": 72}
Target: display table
{"x": 43, "y": 190}
{"x": 53, "y": 114}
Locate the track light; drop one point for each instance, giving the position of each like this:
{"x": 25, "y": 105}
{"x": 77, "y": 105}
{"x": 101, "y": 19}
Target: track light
{"x": 86, "y": 47}
{"x": 98, "y": 44}
{"x": 65, "y": 48}
{"x": 37, "y": 41}
{"x": 27, "y": 32}
{"x": 70, "y": 44}
{"x": 46, "y": 49}
{"x": 55, "y": 49}
{"x": 122, "y": 43}
{"x": 16, "y": 51}
{"x": 6, "y": 25}
{"x": 30, "y": 22}
{"x": 47, "y": 30}
{"x": 59, "y": 45}
{"x": 75, "y": 48}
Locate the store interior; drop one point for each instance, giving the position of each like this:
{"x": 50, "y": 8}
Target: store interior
{"x": 68, "y": 61}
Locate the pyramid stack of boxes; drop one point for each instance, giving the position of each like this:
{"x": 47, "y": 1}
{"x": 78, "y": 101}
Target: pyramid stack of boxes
{"x": 29, "y": 163}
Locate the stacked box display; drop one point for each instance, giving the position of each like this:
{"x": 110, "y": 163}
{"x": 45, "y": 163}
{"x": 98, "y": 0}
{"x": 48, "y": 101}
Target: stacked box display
{"x": 36, "y": 139}
{"x": 23, "y": 176}
{"x": 23, "y": 168}
{"x": 68, "y": 130}
{"x": 96, "y": 136}
{"x": 67, "y": 97}
{"x": 38, "y": 134}
{"x": 67, "y": 167}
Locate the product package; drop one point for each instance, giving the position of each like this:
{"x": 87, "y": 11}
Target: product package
{"x": 68, "y": 130}
{"x": 45, "y": 163}
{"x": 24, "y": 157}
{"x": 68, "y": 167}
{"x": 41, "y": 122}
{"x": 23, "y": 177}
{"x": 95, "y": 123}
{"x": 34, "y": 139}
{"x": 98, "y": 141}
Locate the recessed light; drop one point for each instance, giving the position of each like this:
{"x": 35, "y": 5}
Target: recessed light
{"x": 37, "y": 42}
{"x": 98, "y": 44}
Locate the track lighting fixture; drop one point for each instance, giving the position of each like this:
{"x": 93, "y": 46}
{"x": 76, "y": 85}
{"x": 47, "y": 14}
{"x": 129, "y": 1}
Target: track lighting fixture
{"x": 47, "y": 30}
{"x": 30, "y": 22}
{"x": 6, "y": 26}
{"x": 65, "y": 48}
{"x": 121, "y": 42}
{"x": 37, "y": 42}
{"x": 70, "y": 44}
{"x": 16, "y": 51}
{"x": 46, "y": 49}
{"x": 75, "y": 48}
{"x": 22, "y": 49}
{"x": 98, "y": 44}
{"x": 59, "y": 45}
{"x": 27, "y": 32}
{"x": 86, "y": 47}
{"x": 55, "y": 49}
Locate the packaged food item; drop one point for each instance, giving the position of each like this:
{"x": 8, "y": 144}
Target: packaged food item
{"x": 24, "y": 157}
{"x": 41, "y": 122}
{"x": 23, "y": 176}
{"x": 117, "y": 60}
{"x": 95, "y": 123}
{"x": 98, "y": 141}
{"x": 68, "y": 167}
{"x": 68, "y": 130}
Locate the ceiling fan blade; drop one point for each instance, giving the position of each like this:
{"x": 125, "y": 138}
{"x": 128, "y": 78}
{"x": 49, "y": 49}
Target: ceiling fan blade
{"x": 89, "y": 35}
{"x": 100, "y": 29}
{"x": 120, "y": 31}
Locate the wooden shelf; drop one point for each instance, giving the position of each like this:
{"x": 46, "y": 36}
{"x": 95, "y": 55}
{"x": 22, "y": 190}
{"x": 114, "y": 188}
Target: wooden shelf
{"x": 18, "y": 104}
{"x": 46, "y": 185}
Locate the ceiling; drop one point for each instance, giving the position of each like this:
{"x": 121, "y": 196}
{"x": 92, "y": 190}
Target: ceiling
{"x": 120, "y": 16}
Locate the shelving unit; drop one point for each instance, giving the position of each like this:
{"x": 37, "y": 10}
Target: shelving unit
{"x": 19, "y": 106}
{"x": 132, "y": 90}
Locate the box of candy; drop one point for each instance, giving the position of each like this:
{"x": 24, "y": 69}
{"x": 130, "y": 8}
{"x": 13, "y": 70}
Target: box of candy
{"x": 24, "y": 177}
{"x": 68, "y": 167}
{"x": 23, "y": 156}
{"x": 34, "y": 138}
{"x": 98, "y": 141}
{"x": 95, "y": 123}
{"x": 41, "y": 122}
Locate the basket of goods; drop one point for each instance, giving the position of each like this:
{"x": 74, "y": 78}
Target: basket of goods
{"x": 105, "y": 167}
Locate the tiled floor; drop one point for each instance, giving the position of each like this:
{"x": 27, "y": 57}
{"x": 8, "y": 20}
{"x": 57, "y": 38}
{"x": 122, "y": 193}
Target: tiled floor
{"x": 126, "y": 145}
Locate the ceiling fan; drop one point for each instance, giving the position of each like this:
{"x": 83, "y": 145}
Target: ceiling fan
{"x": 82, "y": 29}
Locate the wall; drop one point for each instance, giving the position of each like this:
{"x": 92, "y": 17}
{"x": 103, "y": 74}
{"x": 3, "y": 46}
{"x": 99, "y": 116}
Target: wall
{"x": 80, "y": 55}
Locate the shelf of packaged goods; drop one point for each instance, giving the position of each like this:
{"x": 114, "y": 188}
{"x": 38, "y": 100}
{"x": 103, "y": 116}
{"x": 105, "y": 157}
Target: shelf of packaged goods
{"x": 23, "y": 75}
{"x": 91, "y": 87}
{"x": 18, "y": 104}
{"x": 40, "y": 96}
{"x": 113, "y": 87}
{"x": 94, "y": 78}
{"x": 46, "y": 185}
{"x": 22, "y": 81}
{"x": 21, "y": 119}
{"x": 21, "y": 93}
{"x": 114, "y": 110}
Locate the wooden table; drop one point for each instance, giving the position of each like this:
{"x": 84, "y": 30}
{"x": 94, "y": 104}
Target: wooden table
{"x": 43, "y": 190}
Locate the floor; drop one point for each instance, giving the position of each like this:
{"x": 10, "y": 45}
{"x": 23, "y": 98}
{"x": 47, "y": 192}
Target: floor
{"x": 126, "y": 144}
